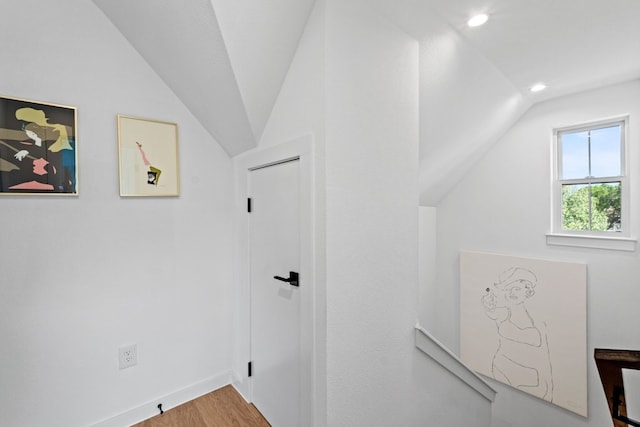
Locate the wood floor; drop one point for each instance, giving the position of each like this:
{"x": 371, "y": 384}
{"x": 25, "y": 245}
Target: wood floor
{"x": 221, "y": 408}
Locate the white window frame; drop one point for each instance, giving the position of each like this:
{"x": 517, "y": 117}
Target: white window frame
{"x": 619, "y": 240}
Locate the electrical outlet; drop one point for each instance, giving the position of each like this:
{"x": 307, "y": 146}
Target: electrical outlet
{"x": 128, "y": 356}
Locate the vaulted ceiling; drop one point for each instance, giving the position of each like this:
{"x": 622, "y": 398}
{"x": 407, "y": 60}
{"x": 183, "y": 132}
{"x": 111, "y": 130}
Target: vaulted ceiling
{"x": 571, "y": 45}
{"x": 227, "y": 59}
{"x": 474, "y": 82}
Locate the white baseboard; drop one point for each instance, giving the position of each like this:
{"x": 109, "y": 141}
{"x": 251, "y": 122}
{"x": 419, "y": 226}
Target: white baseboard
{"x": 149, "y": 409}
{"x": 241, "y": 384}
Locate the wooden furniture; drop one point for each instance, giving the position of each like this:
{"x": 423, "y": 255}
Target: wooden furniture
{"x": 610, "y": 365}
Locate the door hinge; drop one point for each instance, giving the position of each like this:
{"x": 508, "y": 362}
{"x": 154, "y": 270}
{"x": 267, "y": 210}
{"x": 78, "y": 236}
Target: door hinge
{"x": 249, "y": 205}
{"x": 249, "y": 368}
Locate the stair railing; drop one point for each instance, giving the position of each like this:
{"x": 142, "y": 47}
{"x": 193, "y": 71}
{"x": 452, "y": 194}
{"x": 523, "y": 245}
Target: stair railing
{"x": 610, "y": 365}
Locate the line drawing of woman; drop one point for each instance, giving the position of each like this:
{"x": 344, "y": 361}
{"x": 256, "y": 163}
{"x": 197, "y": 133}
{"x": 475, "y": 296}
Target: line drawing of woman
{"x": 44, "y": 148}
{"x": 522, "y": 358}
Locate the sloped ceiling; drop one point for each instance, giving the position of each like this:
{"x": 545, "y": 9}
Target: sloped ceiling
{"x": 474, "y": 82}
{"x": 261, "y": 39}
{"x": 227, "y": 59}
{"x": 571, "y": 45}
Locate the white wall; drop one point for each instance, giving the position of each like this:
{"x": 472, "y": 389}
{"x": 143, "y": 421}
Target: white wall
{"x": 427, "y": 267}
{"x": 300, "y": 107}
{"x": 83, "y": 276}
{"x": 371, "y": 172}
{"x": 375, "y": 376}
{"x": 457, "y": 82}
{"x": 354, "y": 86}
{"x": 299, "y": 112}
{"x": 502, "y": 206}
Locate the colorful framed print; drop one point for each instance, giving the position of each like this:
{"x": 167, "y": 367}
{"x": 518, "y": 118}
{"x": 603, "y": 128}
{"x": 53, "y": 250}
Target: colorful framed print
{"x": 148, "y": 157}
{"x": 38, "y": 148}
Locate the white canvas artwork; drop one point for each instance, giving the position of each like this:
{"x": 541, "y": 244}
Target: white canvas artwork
{"x": 523, "y": 322}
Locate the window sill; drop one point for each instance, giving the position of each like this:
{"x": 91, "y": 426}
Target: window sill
{"x": 592, "y": 242}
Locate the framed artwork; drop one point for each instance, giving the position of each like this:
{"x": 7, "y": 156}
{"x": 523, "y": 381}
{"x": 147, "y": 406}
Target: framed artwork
{"x": 148, "y": 157}
{"x": 523, "y": 322}
{"x": 38, "y": 150}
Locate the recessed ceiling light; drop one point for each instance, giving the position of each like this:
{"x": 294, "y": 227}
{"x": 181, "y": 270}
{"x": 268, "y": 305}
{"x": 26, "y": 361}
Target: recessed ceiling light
{"x": 478, "y": 20}
{"x": 538, "y": 87}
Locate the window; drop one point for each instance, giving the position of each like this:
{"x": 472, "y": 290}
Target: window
{"x": 590, "y": 180}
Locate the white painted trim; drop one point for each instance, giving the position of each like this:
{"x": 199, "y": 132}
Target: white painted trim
{"x": 302, "y": 149}
{"x": 556, "y": 192}
{"x": 592, "y": 242}
{"x": 443, "y": 356}
{"x": 149, "y": 409}
{"x": 240, "y": 383}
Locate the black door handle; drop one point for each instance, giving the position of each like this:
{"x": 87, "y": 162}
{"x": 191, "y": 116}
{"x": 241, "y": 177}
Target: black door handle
{"x": 292, "y": 280}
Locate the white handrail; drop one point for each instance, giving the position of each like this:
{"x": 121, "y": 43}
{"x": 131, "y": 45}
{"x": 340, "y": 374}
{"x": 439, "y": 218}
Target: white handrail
{"x": 443, "y": 356}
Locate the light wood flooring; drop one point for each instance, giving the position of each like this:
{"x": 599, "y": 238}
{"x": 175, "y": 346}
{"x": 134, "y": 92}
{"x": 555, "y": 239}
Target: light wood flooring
{"x": 221, "y": 408}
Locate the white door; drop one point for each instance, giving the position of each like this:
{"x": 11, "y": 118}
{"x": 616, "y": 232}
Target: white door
{"x": 274, "y": 229}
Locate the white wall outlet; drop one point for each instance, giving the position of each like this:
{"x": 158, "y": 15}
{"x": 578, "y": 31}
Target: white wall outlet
{"x": 128, "y": 356}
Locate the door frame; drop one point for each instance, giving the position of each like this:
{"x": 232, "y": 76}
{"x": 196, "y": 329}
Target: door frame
{"x": 302, "y": 150}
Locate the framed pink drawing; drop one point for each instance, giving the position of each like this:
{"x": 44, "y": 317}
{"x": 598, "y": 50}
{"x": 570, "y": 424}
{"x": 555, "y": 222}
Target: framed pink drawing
{"x": 148, "y": 157}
